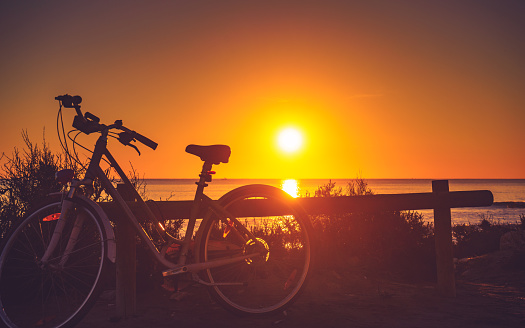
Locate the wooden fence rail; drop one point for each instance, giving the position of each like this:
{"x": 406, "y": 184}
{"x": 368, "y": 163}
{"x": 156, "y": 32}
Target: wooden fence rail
{"x": 440, "y": 200}
{"x": 326, "y": 205}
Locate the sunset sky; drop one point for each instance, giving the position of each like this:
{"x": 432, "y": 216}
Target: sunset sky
{"x": 379, "y": 89}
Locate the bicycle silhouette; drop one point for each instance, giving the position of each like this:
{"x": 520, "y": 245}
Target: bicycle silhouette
{"x": 53, "y": 264}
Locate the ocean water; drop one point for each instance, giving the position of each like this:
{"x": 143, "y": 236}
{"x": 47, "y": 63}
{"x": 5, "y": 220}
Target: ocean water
{"x": 509, "y": 194}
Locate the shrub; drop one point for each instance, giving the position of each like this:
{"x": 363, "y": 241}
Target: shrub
{"x": 396, "y": 243}
{"x": 29, "y": 175}
{"x": 478, "y": 239}
{"x": 26, "y": 177}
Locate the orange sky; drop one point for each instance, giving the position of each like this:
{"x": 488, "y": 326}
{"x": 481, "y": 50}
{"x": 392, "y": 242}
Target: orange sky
{"x": 380, "y": 89}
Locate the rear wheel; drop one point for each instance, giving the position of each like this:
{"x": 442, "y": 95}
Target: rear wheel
{"x": 271, "y": 280}
{"x": 59, "y": 292}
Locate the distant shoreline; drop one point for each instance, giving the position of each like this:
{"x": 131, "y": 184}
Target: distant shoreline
{"x": 510, "y": 204}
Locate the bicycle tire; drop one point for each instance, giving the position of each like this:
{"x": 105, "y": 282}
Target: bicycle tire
{"x": 270, "y": 282}
{"x": 56, "y": 294}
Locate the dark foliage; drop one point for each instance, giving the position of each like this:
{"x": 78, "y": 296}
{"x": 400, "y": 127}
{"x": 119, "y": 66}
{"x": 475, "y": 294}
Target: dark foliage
{"x": 25, "y": 178}
{"x": 28, "y": 176}
{"x": 400, "y": 244}
{"x": 478, "y": 239}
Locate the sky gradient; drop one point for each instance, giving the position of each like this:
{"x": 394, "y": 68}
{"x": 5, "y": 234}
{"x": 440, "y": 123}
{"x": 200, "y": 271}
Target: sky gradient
{"x": 379, "y": 89}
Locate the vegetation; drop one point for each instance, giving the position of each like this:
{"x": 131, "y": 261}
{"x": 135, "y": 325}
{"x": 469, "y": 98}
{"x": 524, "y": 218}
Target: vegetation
{"x": 28, "y": 176}
{"x": 481, "y": 238}
{"x": 382, "y": 243}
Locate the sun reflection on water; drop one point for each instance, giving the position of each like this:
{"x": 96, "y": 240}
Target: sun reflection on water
{"x": 291, "y": 187}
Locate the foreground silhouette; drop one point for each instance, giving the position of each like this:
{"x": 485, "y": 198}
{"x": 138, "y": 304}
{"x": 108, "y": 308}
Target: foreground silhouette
{"x": 54, "y": 263}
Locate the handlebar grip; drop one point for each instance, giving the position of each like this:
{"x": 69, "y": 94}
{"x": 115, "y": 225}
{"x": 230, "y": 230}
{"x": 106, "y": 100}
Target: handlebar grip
{"x": 69, "y": 101}
{"x": 148, "y": 142}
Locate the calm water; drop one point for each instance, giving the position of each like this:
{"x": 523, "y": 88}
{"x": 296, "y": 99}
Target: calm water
{"x": 503, "y": 191}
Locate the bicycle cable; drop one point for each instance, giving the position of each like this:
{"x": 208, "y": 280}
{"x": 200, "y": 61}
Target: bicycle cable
{"x": 75, "y": 143}
{"x": 62, "y": 137}
{"x": 72, "y": 158}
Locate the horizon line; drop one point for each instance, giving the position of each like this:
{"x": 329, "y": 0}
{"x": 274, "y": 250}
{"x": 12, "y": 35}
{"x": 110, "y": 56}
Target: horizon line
{"x": 433, "y": 179}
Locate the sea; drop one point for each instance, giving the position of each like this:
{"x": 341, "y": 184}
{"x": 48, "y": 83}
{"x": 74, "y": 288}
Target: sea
{"x": 509, "y": 194}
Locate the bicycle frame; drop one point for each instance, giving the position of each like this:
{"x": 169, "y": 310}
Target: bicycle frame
{"x": 200, "y": 202}
{"x": 253, "y": 248}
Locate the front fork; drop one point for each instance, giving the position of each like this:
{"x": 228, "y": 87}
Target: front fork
{"x": 68, "y": 207}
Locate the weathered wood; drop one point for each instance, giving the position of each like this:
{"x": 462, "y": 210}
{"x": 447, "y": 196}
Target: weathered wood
{"x": 126, "y": 302}
{"x": 443, "y": 240}
{"x": 327, "y": 205}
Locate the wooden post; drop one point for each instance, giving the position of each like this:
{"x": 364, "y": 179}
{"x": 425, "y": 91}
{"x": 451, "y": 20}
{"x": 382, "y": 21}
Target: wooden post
{"x": 126, "y": 267}
{"x": 443, "y": 235}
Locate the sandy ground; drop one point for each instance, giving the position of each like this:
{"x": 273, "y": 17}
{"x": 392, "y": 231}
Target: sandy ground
{"x": 490, "y": 293}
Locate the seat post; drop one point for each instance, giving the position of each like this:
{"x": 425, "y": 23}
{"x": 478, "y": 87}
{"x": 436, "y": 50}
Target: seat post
{"x": 204, "y": 177}
{"x": 195, "y": 209}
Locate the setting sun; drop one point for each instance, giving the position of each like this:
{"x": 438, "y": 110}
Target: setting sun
{"x": 290, "y": 140}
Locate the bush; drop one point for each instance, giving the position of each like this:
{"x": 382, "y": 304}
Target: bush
{"x": 478, "y": 239}
{"x": 393, "y": 243}
{"x": 26, "y": 177}
{"x": 29, "y": 175}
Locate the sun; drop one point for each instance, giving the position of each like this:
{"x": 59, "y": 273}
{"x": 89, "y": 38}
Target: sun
{"x": 290, "y": 140}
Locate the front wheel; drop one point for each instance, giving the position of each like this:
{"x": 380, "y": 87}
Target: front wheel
{"x": 266, "y": 223}
{"x": 59, "y": 291}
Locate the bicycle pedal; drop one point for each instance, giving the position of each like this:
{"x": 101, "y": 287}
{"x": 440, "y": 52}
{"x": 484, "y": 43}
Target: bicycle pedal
{"x": 172, "y": 272}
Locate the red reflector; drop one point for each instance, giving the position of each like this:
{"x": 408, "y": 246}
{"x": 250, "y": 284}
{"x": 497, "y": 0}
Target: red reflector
{"x": 211, "y": 172}
{"x": 173, "y": 248}
{"x": 51, "y": 217}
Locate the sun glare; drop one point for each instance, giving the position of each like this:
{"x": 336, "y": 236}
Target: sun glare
{"x": 290, "y": 140}
{"x": 290, "y": 186}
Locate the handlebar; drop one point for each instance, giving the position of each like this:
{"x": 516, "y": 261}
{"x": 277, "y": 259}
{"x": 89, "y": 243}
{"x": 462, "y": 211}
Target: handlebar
{"x": 89, "y": 123}
{"x": 130, "y": 135}
{"x": 145, "y": 141}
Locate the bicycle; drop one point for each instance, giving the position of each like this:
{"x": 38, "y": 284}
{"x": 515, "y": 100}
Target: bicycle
{"x": 53, "y": 264}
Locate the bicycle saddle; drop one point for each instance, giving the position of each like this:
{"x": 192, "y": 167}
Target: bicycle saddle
{"x": 214, "y": 154}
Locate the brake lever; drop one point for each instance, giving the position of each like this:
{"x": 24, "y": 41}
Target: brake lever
{"x": 126, "y": 138}
{"x": 134, "y": 147}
